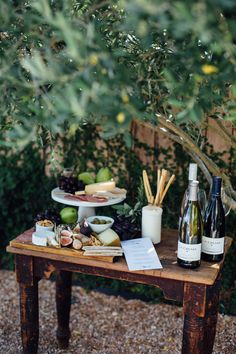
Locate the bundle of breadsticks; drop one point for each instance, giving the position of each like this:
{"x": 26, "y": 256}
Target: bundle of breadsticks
{"x": 162, "y": 187}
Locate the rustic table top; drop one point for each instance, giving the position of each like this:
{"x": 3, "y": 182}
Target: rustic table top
{"x": 166, "y": 250}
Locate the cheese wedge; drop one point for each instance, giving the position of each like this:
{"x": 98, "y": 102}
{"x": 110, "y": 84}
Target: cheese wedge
{"x": 100, "y": 187}
{"x": 109, "y": 238}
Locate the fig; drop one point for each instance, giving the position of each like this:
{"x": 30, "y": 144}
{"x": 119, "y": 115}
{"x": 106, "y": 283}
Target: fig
{"x": 66, "y": 241}
{"x": 77, "y": 244}
{"x": 78, "y": 236}
{"x": 66, "y": 233}
{"x": 76, "y": 229}
{"x": 85, "y": 229}
{"x": 84, "y": 239}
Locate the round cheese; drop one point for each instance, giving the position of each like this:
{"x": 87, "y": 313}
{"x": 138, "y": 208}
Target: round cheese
{"x": 41, "y": 238}
{"x": 100, "y": 187}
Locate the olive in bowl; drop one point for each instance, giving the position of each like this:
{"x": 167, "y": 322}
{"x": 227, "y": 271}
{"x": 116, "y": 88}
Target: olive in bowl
{"x": 100, "y": 223}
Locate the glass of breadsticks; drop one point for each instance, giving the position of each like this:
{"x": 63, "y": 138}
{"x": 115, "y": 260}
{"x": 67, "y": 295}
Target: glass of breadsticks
{"x": 152, "y": 213}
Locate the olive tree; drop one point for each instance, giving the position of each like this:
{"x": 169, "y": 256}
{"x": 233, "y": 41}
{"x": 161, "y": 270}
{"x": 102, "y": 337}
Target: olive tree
{"x": 169, "y": 64}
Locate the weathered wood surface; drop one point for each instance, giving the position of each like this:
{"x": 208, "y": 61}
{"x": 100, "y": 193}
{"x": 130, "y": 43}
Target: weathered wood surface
{"x": 172, "y": 289}
{"x": 29, "y": 317}
{"x": 211, "y": 315}
{"x": 24, "y": 241}
{"x": 63, "y": 302}
{"x": 194, "y": 312}
{"x": 29, "y": 310}
{"x": 166, "y": 250}
{"x": 200, "y": 310}
{"x": 200, "y": 301}
{"x": 197, "y": 289}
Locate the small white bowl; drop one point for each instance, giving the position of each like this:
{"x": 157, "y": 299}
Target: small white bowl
{"x": 39, "y": 227}
{"x": 98, "y": 228}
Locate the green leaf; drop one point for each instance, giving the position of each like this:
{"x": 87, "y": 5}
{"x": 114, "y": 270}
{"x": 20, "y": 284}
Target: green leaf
{"x": 128, "y": 139}
{"x": 233, "y": 88}
{"x": 196, "y": 114}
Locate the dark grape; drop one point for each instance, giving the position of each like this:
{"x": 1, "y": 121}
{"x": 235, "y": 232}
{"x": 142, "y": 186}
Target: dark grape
{"x": 49, "y": 214}
{"x": 125, "y": 228}
{"x": 70, "y": 184}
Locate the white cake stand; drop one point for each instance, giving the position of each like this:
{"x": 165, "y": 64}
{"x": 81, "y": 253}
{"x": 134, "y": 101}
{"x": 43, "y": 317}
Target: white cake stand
{"x": 85, "y": 209}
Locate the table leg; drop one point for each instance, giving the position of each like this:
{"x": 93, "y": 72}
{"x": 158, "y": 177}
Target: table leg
{"x": 63, "y": 302}
{"x": 212, "y": 305}
{"x": 200, "y": 318}
{"x": 29, "y": 315}
{"x": 29, "y": 307}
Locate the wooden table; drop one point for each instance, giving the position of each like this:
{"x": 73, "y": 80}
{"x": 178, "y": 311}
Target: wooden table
{"x": 198, "y": 290}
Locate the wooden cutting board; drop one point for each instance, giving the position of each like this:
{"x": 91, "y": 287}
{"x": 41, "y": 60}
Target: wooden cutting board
{"x": 24, "y": 241}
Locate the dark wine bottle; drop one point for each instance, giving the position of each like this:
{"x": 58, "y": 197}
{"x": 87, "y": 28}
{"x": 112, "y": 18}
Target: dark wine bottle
{"x": 214, "y": 225}
{"x": 190, "y": 231}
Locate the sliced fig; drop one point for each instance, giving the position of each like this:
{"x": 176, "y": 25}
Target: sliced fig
{"x": 76, "y": 229}
{"x": 86, "y": 241}
{"x": 77, "y": 244}
{"x": 79, "y": 236}
{"x": 66, "y": 233}
{"x": 66, "y": 241}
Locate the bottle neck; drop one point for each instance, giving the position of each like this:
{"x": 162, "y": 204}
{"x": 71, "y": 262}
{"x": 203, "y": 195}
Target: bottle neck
{"x": 192, "y": 175}
{"x": 215, "y": 196}
{"x": 193, "y": 189}
{"x": 216, "y": 187}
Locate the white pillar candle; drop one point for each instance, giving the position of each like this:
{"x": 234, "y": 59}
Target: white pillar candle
{"x": 151, "y": 223}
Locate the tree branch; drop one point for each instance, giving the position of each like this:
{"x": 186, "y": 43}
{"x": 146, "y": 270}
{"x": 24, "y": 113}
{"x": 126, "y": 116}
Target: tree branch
{"x": 211, "y": 166}
{"x": 230, "y": 138}
{"x": 179, "y": 136}
{"x": 177, "y": 139}
{"x": 205, "y": 171}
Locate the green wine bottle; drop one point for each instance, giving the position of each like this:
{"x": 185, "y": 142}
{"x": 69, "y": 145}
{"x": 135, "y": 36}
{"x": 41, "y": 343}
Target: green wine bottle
{"x": 190, "y": 231}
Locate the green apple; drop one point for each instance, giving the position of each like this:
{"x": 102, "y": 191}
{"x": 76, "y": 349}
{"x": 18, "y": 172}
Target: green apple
{"x": 103, "y": 175}
{"x": 69, "y": 215}
{"x": 86, "y": 178}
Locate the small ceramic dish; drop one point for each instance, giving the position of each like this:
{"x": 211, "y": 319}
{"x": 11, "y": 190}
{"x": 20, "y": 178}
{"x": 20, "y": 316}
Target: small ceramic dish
{"x": 96, "y": 227}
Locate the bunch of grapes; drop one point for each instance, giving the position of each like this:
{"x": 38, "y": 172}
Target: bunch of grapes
{"x": 49, "y": 214}
{"x": 70, "y": 184}
{"x": 125, "y": 228}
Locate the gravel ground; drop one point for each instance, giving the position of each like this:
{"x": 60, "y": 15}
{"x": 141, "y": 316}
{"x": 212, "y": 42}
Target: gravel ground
{"x": 103, "y": 324}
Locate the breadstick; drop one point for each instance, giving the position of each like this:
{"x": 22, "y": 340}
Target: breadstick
{"x": 145, "y": 187}
{"x": 158, "y": 185}
{"x": 148, "y": 187}
{"x": 161, "y": 186}
{"x": 167, "y": 187}
{"x": 158, "y": 176}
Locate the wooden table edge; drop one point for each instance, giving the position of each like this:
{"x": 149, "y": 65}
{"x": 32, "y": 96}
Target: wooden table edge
{"x": 104, "y": 265}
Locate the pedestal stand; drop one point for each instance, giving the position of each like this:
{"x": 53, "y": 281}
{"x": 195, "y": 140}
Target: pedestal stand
{"x": 85, "y": 209}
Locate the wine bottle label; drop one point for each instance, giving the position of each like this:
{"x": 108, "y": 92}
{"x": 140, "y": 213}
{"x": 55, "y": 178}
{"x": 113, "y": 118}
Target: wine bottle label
{"x": 189, "y": 252}
{"x": 212, "y": 246}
